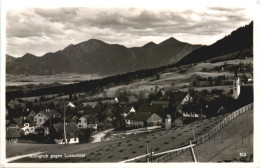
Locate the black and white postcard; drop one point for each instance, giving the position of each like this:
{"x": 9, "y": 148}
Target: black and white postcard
{"x": 159, "y": 82}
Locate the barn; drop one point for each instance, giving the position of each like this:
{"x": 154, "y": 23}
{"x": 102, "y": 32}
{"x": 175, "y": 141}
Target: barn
{"x": 143, "y": 119}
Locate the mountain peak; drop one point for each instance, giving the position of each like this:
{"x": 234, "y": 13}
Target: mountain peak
{"x": 29, "y": 55}
{"x": 150, "y": 44}
{"x": 170, "y": 41}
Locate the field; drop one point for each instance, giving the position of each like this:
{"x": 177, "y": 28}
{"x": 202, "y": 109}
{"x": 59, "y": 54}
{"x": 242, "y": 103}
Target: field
{"x": 64, "y": 78}
{"x": 226, "y": 146}
{"x": 122, "y": 149}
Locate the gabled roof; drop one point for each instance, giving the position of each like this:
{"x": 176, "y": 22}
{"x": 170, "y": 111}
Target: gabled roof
{"x": 126, "y": 109}
{"x": 155, "y": 108}
{"x": 30, "y": 121}
{"x": 178, "y": 97}
{"x": 49, "y": 122}
{"x": 70, "y": 128}
{"x": 139, "y": 116}
{"x": 32, "y": 113}
{"x": 12, "y": 133}
{"x": 85, "y": 116}
{"x": 50, "y": 113}
{"x": 19, "y": 121}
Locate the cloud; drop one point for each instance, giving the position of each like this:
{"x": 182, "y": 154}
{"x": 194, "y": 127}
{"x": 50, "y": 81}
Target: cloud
{"x": 42, "y": 30}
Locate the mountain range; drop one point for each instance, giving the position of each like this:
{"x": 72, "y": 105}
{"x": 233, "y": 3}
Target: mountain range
{"x": 97, "y": 57}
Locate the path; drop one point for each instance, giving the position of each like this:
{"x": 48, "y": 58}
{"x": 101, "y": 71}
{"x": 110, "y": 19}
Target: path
{"x": 11, "y": 159}
{"x": 98, "y": 137}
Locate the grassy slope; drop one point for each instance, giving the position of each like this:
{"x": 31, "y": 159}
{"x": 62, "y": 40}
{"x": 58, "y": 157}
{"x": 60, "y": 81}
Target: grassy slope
{"x": 228, "y": 142}
{"x": 131, "y": 146}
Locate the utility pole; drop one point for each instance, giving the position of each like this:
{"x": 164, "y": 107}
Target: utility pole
{"x": 64, "y": 110}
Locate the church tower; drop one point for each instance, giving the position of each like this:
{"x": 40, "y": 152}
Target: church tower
{"x": 236, "y": 87}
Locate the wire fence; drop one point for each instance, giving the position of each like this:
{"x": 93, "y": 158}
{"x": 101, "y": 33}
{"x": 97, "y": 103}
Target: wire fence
{"x": 167, "y": 155}
{"x": 203, "y": 138}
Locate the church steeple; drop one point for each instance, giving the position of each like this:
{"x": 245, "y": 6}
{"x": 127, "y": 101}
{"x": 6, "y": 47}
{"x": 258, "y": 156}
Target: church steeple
{"x": 236, "y": 86}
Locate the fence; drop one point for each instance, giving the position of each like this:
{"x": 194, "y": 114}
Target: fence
{"x": 199, "y": 140}
{"x": 203, "y": 138}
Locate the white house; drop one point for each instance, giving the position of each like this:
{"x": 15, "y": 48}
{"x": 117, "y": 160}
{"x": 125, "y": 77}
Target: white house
{"x": 84, "y": 123}
{"x": 187, "y": 99}
{"x": 71, "y": 130}
{"x": 28, "y": 129}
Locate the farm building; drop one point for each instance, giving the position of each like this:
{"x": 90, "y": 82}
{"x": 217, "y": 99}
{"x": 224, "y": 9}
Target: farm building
{"x": 158, "y": 109}
{"x": 12, "y": 135}
{"x": 44, "y": 115}
{"x": 72, "y": 132}
{"x": 143, "y": 119}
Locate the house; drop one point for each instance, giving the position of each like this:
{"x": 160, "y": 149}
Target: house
{"x": 28, "y": 126}
{"x": 184, "y": 104}
{"x": 72, "y": 133}
{"x": 158, "y": 109}
{"x": 32, "y": 113}
{"x": 12, "y": 135}
{"x": 190, "y": 110}
{"x": 46, "y": 127}
{"x": 126, "y": 110}
{"x": 44, "y": 115}
{"x": 87, "y": 121}
{"x": 72, "y": 118}
{"x": 82, "y": 123}
{"x": 143, "y": 119}
{"x": 15, "y": 123}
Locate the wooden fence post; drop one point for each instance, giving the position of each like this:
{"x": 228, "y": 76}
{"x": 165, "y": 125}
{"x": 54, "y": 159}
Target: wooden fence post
{"x": 193, "y": 153}
{"x": 147, "y": 158}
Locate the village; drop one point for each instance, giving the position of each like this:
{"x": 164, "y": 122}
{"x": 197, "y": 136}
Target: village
{"x": 77, "y": 118}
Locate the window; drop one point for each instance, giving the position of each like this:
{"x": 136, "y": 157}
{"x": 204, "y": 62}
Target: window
{"x": 40, "y": 120}
{"x": 85, "y": 121}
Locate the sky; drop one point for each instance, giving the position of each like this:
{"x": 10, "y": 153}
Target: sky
{"x": 39, "y": 30}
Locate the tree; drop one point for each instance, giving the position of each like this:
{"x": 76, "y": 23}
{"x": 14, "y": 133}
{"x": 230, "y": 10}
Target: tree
{"x": 118, "y": 120}
{"x": 75, "y": 97}
{"x": 157, "y": 76}
{"x": 70, "y": 97}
